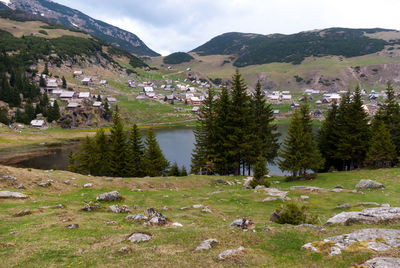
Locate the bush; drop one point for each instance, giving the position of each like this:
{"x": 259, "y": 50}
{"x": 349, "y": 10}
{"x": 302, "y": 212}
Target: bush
{"x": 291, "y": 213}
{"x": 263, "y": 182}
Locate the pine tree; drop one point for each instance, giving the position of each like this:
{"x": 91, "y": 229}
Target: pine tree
{"x": 118, "y": 152}
{"x": 71, "y": 162}
{"x": 174, "y": 170}
{"x": 29, "y": 114}
{"x": 46, "y": 69}
{"x": 86, "y": 157}
{"x": 53, "y": 112}
{"x": 136, "y": 149}
{"x": 42, "y": 82}
{"x": 4, "y": 116}
{"x": 183, "y": 172}
{"x": 155, "y": 162}
{"x": 260, "y": 169}
{"x": 101, "y": 148}
{"x": 64, "y": 82}
{"x": 382, "y": 151}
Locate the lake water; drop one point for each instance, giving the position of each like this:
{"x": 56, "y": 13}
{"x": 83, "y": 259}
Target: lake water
{"x": 176, "y": 143}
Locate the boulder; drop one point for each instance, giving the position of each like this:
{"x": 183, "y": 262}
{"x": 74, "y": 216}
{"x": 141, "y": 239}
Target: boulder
{"x": 243, "y": 223}
{"x": 124, "y": 250}
{"x": 207, "y": 244}
{"x": 382, "y": 262}
{"x": 59, "y": 206}
{"x": 8, "y": 194}
{"x": 369, "y": 184}
{"x": 228, "y": 253}
{"x": 23, "y": 213}
{"x": 365, "y": 239}
{"x": 72, "y": 226}
{"x": 119, "y": 209}
{"x": 375, "y": 215}
{"x": 269, "y": 199}
{"x": 343, "y": 206}
{"x": 276, "y": 193}
{"x": 45, "y": 184}
{"x": 177, "y": 224}
{"x": 88, "y": 185}
{"x": 304, "y": 197}
{"x": 198, "y": 206}
{"x": 308, "y": 188}
{"x": 246, "y": 184}
{"x": 366, "y": 204}
{"x": 139, "y": 237}
{"x": 110, "y": 196}
{"x": 20, "y": 187}
{"x": 67, "y": 182}
{"x": 135, "y": 218}
{"x": 91, "y": 207}
{"x": 206, "y": 209}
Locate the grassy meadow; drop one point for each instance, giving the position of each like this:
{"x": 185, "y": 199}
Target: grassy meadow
{"x": 42, "y": 239}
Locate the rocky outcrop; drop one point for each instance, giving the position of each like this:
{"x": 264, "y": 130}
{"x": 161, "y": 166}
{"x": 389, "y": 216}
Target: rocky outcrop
{"x": 110, "y": 196}
{"x": 375, "y": 215}
{"x": 382, "y": 262}
{"x": 243, "y": 223}
{"x": 369, "y": 184}
{"x": 308, "y": 188}
{"x": 8, "y": 194}
{"x": 228, "y": 253}
{"x": 365, "y": 239}
{"x": 207, "y": 244}
{"x": 119, "y": 209}
{"x": 139, "y": 237}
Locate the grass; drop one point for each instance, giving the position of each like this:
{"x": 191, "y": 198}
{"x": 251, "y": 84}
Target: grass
{"x": 40, "y": 243}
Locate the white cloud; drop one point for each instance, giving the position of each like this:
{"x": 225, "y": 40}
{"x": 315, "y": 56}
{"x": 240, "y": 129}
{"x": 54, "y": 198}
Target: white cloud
{"x": 181, "y": 25}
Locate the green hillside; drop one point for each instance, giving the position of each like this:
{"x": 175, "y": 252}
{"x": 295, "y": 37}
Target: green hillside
{"x": 177, "y": 58}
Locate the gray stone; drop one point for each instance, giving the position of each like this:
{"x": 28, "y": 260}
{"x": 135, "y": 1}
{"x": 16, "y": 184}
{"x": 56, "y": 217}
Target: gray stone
{"x": 206, "y": 209}
{"x": 59, "y": 206}
{"x": 220, "y": 181}
{"x": 91, "y": 207}
{"x": 8, "y": 194}
{"x": 260, "y": 187}
{"x": 276, "y": 193}
{"x": 207, "y": 244}
{"x": 308, "y": 188}
{"x": 242, "y": 223}
{"x": 382, "y": 262}
{"x": 269, "y": 199}
{"x": 246, "y": 184}
{"x": 108, "y": 179}
{"x": 139, "y": 237}
{"x": 124, "y": 250}
{"x": 72, "y": 226}
{"x": 337, "y": 190}
{"x": 369, "y": 184}
{"x": 88, "y": 185}
{"x": 45, "y": 184}
{"x": 110, "y": 196}
{"x": 119, "y": 209}
{"x": 137, "y": 217}
{"x": 228, "y": 253}
{"x": 365, "y": 204}
{"x": 304, "y": 197}
{"x": 339, "y": 187}
{"x": 343, "y": 206}
{"x": 20, "y": 187}
{"x": 157, "y": 220}
{"x": 177, "y": 224}
{"x": 385, "y": 205}
{"x": 365, "y": 239}
{"x": 198, "y": 206}
{"x": 23, "y": 213}
{"x": 375, "y": 215}
{"x": 10, "y": 178}
{"x": 67, "y": 182}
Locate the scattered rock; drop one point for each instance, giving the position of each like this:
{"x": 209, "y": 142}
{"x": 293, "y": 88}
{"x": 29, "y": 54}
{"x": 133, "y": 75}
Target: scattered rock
{"x": 365, "y": 204}
{"x": 72, "y": 226}
{"x": 137, "y": 217}
{"x": 382, "y": 262}
{"x": 343, "y": 206}
{"x": 23, "y": 213}
{"x": 228, "y": 253}
{"x": 369, "y": 184}
{"x": 269, "y": 199}
{"x": 260, "y": 187}
{"x": 20, "y": 187}
{"x": 177, "y": 224}
{"x": 206, "y": 209}
{"x": 385, "y": 205}
{"x": 67, "y": 182}
{"x": 119, "y": 209}
{"x": 372, "y": 239}
{"x": 367, "y": 216}
{"x": 156, "y": 217}
{"x": 110, "y": 196}
{"x": 198, "y": 206}
{"x": 356, "y": 192}
{"x": 207, "y": 244}
{"x": 243, "y": 223}
{"x": 88, "y": 185}
{"x": 45, "y": 184}
{"x": 304, "y": 197}
{"x": 10, "y": 178}
{"x": 125, "y": 250}
{"x": 276, "y": 193}
{"x": 59, "y": 206}
{"x": 339, "y": 187}
{"x": 183, "y": 208}
{"x": 8, "y": 194}
{"x": 308, "y": 188}
{"x": 220, "y": 181}
{"x": 91, "y": 207}
{"x": 108, "y": 179}
{"x": 111, "y": 223}
{"x": 309, "y": 226}
{"x": 337, "y": 190}
{"x": 139, "y": 237}
{"x": 246, "y": 184}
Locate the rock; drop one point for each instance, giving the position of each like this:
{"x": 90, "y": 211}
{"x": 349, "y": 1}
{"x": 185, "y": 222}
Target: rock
{"x": 108, "y": 179}
{"x": 119, "y": 209}
{"x": 177, "y": 224}
{"x": 207, "y": 244}
{"x": 23, "y": 213}
{"x": 382, "y": 262}
{"x": 59, "y": 206}
{"x": 110, "y": 196}
{"x": 356, "y": 192}
{"x": 369, "y": 184}
{"x": 206, "y": 209}
{"x": 183, "y": 208}
{"x": 365, "y": 204}
{"x": 375, "y": 215}
{"x": 242, "y": 223}
{"x": 260, "y": 187}
{"x": 198, "y": 206}
{"x": 67, "y": 182}
{"x": 220, "y": 181}
{"x": 91, "y": 207}
{"x": 343, "y": 206}
{"x": 308, "y": 188}
{"x": 269, "y": 199}
{"x": 88, "y": 185}
{"x": 246, "y": 184}
{"x": 337, "y": 190}
{"x": 125, "y": 250}
{"x": 385, "y": 205}
{"x": 111, "y": 223}
{"x": 45, "y": 184}
{"x": 156, "y": 220}
{"x": 165, "y": 208}
{"x": 72, "y": 226}
{"x": 20, "y": 187}
{"x": 137, "y": 217}
{"x": 139, "y": 237}
{"x": 276, "y": 193}
{"x": 365, "y": 239}
{"x": 228, "y": 253}
{"x": 10, "y": 178}
{"x": 339, "y": 187}
{"x": 309, "y": 226}
{"x": 275, "y": 216}
{"x": 8, "y": 194}
{"x": 304, "y": 197}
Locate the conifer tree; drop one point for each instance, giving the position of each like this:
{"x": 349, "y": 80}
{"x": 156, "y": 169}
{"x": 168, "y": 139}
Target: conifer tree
{"x": 118, "y": 152}
{"x": 260, "y": 170}
{"x": 42, "y": 82}
{"x": 382, "y": 151}
{"x": 46, "y": 69}
{"x": 53, "y": 113}
{"x": 101, "y": 148}
{"x": 174, "y": 170}
{"x": 64, "y": 82}
{"x": 155, "y": 162}
{"x": 183, "y": 172}
{"x": 86, "y": 157}
{"x": 71, "y": 162}
{"x": 4, "y": 116}
{"x": 135, "y": 150}
{"x": 29, "y": 114}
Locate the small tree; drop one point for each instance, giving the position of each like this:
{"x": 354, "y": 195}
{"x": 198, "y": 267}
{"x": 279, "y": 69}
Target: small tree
{"x": 136, "y": 148}
{"x": 42, "y": 82}
{"x": 118, "y": 151}
{"x": 46, "y": 69}
{"x": 174, "y": 171}
{"x": 381, "y": 151}
{"x": 155, "y": 162}
{"x": 64, "y": 82}
{"x": 183, "y": 171}
{"x": 259, "y": 171}
{"x": 71, "y": 162}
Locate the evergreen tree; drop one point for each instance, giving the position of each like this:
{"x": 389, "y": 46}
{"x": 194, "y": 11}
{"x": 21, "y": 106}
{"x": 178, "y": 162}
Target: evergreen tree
{"x": 42, "y": 82}
{"x": 86, "y": 157}
{"x": 183, "y": 172}
{"x": 260, "y": 169}
{"x": 4, "y": 116}
{"x": 53, "y": 112}
{"x": 64, "y": 82}
{"x": 155, "y": 162}
{"x": 174, "y": 170}
{"x": 46, "y": 69}
{"x": 136, "y": 148}
{"x": 382, "y": 151}
{"x": 19, "y": 117}
{"x": 29, "y": 114}
{"x": 118, "y": 152}
{"x": 101, "y": 148}
{"x": 71, "y": 162}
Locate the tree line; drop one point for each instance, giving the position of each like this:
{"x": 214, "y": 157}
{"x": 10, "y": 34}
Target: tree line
{"x": 119, "y": 154}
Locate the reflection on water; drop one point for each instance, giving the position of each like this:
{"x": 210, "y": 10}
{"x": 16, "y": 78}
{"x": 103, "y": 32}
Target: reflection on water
{"x": 176, "y": 143}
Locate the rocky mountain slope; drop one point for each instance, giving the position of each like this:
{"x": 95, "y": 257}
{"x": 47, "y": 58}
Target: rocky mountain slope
{"x": 75, "y": 19}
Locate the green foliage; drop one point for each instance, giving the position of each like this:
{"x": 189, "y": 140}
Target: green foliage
{"x": 53, "y": 112}
{"x": 174, "y": 170}
{"x": 177, "y": 58}
{"x": 4, "y": 116}
{"x": 295, "y": 214}
{"x": 183, "y": 171}
{"x": 119, "y": 165}
{"x": 64, "y": 82}
{"x": 381, "y": 151}
{"x": 43, "y": 32}
{"x": 155, "y": 162}
{"x": 136, "y": 151}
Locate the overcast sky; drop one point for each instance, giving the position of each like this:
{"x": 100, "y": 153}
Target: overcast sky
{"x": 181, "y": 25}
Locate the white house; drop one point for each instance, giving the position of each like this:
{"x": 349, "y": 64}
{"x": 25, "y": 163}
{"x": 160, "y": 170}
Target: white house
{"x": 148, "y": 89}
{"x": 111, "y": 99}
{"x": 37, "y": 123}
{"x": 274, "y": 98}
{"x": 103, "y": 82}
{"x": 73, "y": 105}
{"x": 67, "y": 94}
{"x": 97, "y": 104}
{"x": 77, "y": 73}
{"x": 52, "y": 83}
{"x": 84, "y": 95}
{"x": 87, "y": 81}
{"x": 286, "y": 97}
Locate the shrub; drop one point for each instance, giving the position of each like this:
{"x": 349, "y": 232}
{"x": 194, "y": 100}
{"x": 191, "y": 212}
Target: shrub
{"x": 263, "y": 182}
{"x": 292, "y": 213}
{"x": 43, "y": 32}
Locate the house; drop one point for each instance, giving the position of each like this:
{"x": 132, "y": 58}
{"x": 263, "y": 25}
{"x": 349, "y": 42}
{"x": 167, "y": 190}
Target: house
{"x": 148, "y": 89}
{"x": 52, "y": 84}
{"x": 84, "y": 95}
{"x": 195, "y": 101}
{"x": 335, "y": 97}
{"x": 57, "y": 92}
{"x": 286, "y": 97}
{"x": 67, "y": 94}
{"x": 276, "y": 112}
{"x": 97, "y": 104}
{"x": 77, "y": 73}
{"x": 273, "y": 98}
{"x": 111, "y": 99}
{"x": 73, "y": 105}
{"x": 318, "y": 113}
{"x": 38, "y": 123}
{"x": 196, "y": 110}
{"x": 189, "y": 95}
{"x": 318, "y": 102}
{"x": 103, "y": 82}
{"x": 87, "y": 81}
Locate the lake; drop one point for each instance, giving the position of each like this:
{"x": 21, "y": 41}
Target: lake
{"x": 176, "y": 143}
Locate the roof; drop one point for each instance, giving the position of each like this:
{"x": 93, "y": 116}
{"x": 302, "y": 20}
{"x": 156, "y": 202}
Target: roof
{"x": 87, "y": 79}
{"x": 51, "y": 84}
{"x": 78, "y": 72}
{"x": 148, "y": 89}
{"x": 73, "y": 105}
{"x": 195, "y": 98}
{"x": 37, "y": 123}
{"x": 67, "y": 94}
{"x": 111, "y": 99}
{"x": 84, "y": 94}
{"x": 97, "y": 104}
{"x": 103, "y": 81}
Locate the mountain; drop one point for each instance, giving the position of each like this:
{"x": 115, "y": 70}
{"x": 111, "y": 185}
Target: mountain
{"x": 75, "y": 19}
{"x": 252, "y": 49}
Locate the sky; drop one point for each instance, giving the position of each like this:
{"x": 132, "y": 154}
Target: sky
{"x": 168, "y": 26}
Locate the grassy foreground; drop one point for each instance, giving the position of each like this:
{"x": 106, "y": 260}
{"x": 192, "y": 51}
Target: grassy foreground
{"x": 42, "y": 239}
